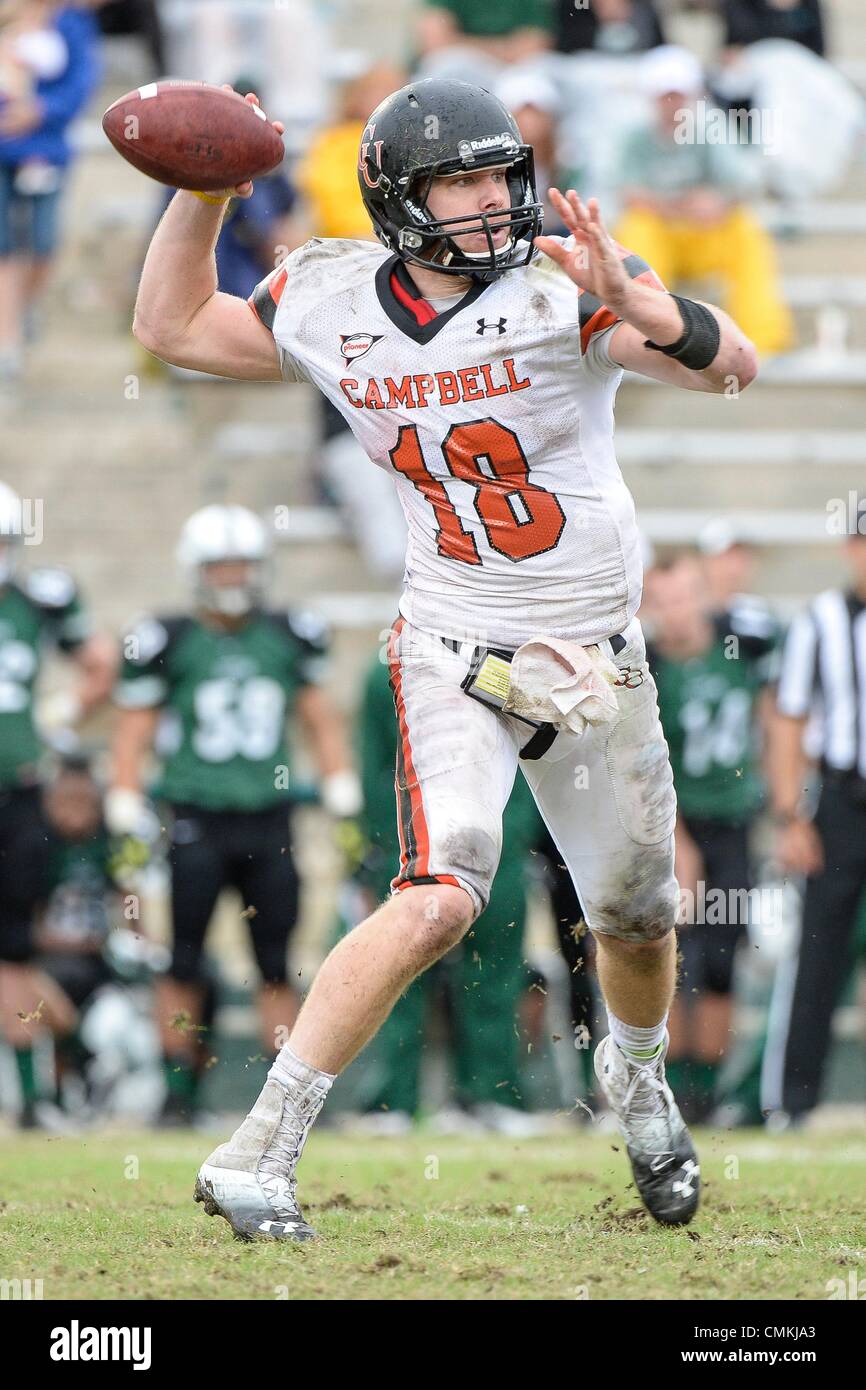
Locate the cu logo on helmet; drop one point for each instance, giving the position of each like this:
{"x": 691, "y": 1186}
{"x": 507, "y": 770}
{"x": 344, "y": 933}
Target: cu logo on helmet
{"x": 376, "y": 158}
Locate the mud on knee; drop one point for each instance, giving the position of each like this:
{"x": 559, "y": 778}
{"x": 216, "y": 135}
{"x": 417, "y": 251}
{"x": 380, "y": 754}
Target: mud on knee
{"x": 642, "y": 904}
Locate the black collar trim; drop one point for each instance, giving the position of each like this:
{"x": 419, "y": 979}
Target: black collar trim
{"x": 400, "y": 316}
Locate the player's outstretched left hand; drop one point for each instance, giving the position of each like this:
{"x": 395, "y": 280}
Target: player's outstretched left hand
{"x": 592, "y": 263}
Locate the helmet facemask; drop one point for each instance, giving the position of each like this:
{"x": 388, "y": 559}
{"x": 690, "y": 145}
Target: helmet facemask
{"x": 426, "y": 240}
{"x": 225, "y": 535}
{"x": 231, "y": 600}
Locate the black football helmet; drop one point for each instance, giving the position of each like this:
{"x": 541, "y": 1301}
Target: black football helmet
{"x": 438, "y": 126}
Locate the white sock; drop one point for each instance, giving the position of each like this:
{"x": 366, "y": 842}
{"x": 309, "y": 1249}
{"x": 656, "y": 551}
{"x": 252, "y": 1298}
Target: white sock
{"x": 641, "y": 1043}
{"x": 306, "y": 1091}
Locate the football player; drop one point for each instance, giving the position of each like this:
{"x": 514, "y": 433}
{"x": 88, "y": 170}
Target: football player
{"x": 477, "y": 361}
{"x": 715, "y": 672}
{"x": 214, "y": 690}
{"x": 39, "y": 609}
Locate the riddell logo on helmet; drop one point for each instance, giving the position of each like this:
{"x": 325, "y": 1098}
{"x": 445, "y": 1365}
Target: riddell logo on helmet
{"x": 355, "y": 345}
{"x": 488, "y": 142}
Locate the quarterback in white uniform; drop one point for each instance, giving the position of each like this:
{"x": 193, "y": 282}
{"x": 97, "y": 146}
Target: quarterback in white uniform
{"x": 477, "y": 362}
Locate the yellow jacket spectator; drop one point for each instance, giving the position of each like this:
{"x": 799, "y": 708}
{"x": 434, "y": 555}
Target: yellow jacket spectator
{"x": 684, "y": 190}
{"x": 328, "y": 175}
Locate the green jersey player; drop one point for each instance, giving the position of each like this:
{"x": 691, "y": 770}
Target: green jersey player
{"x": 212, "y": 692}
{"x": 713, "y": 670}
{"x": 40, "y": 609}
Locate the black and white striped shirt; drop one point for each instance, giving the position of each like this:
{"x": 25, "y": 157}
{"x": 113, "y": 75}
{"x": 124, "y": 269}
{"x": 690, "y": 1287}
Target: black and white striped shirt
{"x": 824, "y": 674}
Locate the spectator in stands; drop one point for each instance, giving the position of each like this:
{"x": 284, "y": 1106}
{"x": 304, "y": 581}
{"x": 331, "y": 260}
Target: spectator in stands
{"x": 327, "y": 176}
{"x": 257, "y": 233}
{"x": 684, "y": 194}
{"x": 287, "y": 41}
{"x": 139, "y": 17}
{"x": 509, "y": 31}
{"x": 534, "y": 103}
{"x": 713, "y": 671}
{"x": 607, "y": 26}
{"x": 749, "y": 21}
{"x": 49, "y": 53}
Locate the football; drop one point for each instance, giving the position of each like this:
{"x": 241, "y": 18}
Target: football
{"x": 192, "y": 135}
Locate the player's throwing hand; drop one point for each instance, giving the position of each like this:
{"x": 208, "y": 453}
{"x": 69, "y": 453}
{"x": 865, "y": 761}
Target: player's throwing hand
{"x": 593, "y": 263}
{"x": 244, "y": 190}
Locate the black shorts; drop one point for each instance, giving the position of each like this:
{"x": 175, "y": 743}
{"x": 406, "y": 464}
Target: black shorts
{"x": 23, "y": 870}
{"x": 79, "y": 974}
{"x": 247, "y": 850}
{"x": 708, "y": 948}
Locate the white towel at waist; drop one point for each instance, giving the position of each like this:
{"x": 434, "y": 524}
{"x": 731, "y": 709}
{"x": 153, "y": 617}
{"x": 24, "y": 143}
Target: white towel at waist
{"x": 562, "y": 683}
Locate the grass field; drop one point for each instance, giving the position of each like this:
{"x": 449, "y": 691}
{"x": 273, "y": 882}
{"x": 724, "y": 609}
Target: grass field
{"x": 111, "y": 1216}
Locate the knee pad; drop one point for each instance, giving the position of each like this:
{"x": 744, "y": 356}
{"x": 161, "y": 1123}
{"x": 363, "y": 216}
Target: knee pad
{"x": 185, "y": 963}
{"x": 271, "y": 961}
{"x": 470, "y": 848}
{"x": 645, "y": 905}
{"x": 269, "y": 938}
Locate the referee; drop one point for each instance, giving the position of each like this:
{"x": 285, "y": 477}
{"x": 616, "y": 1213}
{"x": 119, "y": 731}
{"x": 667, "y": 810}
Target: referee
{"x": 823, "y": 681}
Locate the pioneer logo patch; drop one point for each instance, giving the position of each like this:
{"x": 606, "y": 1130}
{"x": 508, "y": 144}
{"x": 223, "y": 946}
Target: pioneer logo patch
{"x": 355, "y": 345}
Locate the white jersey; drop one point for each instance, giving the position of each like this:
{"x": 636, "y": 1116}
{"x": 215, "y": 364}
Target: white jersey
{"x": 495, "y": 419}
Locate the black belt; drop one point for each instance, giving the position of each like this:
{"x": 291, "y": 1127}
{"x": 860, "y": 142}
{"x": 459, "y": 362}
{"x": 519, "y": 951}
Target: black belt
{"x": 545, "y": 733}
{"x": 455, "y": 643}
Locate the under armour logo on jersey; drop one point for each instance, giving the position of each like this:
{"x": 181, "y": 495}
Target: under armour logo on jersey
{"x": 483, "y": 326}
{"x": 355, "y": 345}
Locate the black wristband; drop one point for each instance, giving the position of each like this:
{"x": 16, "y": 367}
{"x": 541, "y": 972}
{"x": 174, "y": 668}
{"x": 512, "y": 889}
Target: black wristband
{"x": 700, "y": 339}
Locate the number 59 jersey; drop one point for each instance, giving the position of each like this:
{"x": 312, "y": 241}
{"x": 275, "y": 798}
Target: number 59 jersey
{"x": 495, "y": 418}
{"x": 224, "y": 698}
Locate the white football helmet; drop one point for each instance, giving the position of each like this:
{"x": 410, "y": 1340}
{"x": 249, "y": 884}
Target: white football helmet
{"x": 10, "y": 531}
{"x": 216, "y": 534}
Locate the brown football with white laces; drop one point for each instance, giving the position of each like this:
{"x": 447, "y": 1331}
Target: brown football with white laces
{"x": 192, "y": 135}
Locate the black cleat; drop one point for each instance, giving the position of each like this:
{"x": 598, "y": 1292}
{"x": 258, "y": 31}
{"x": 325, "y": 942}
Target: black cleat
{"x": 258, "y": 1205}
{"x": 663, "y": 1158}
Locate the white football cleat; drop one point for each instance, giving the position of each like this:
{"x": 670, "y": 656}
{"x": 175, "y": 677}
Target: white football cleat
{"x": 257, "y": 1204}
{"x": 663, "y": 1158}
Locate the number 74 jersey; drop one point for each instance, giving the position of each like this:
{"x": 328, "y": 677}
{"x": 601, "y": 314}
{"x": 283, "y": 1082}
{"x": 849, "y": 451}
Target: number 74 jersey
{"x": 495, "y": 417}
